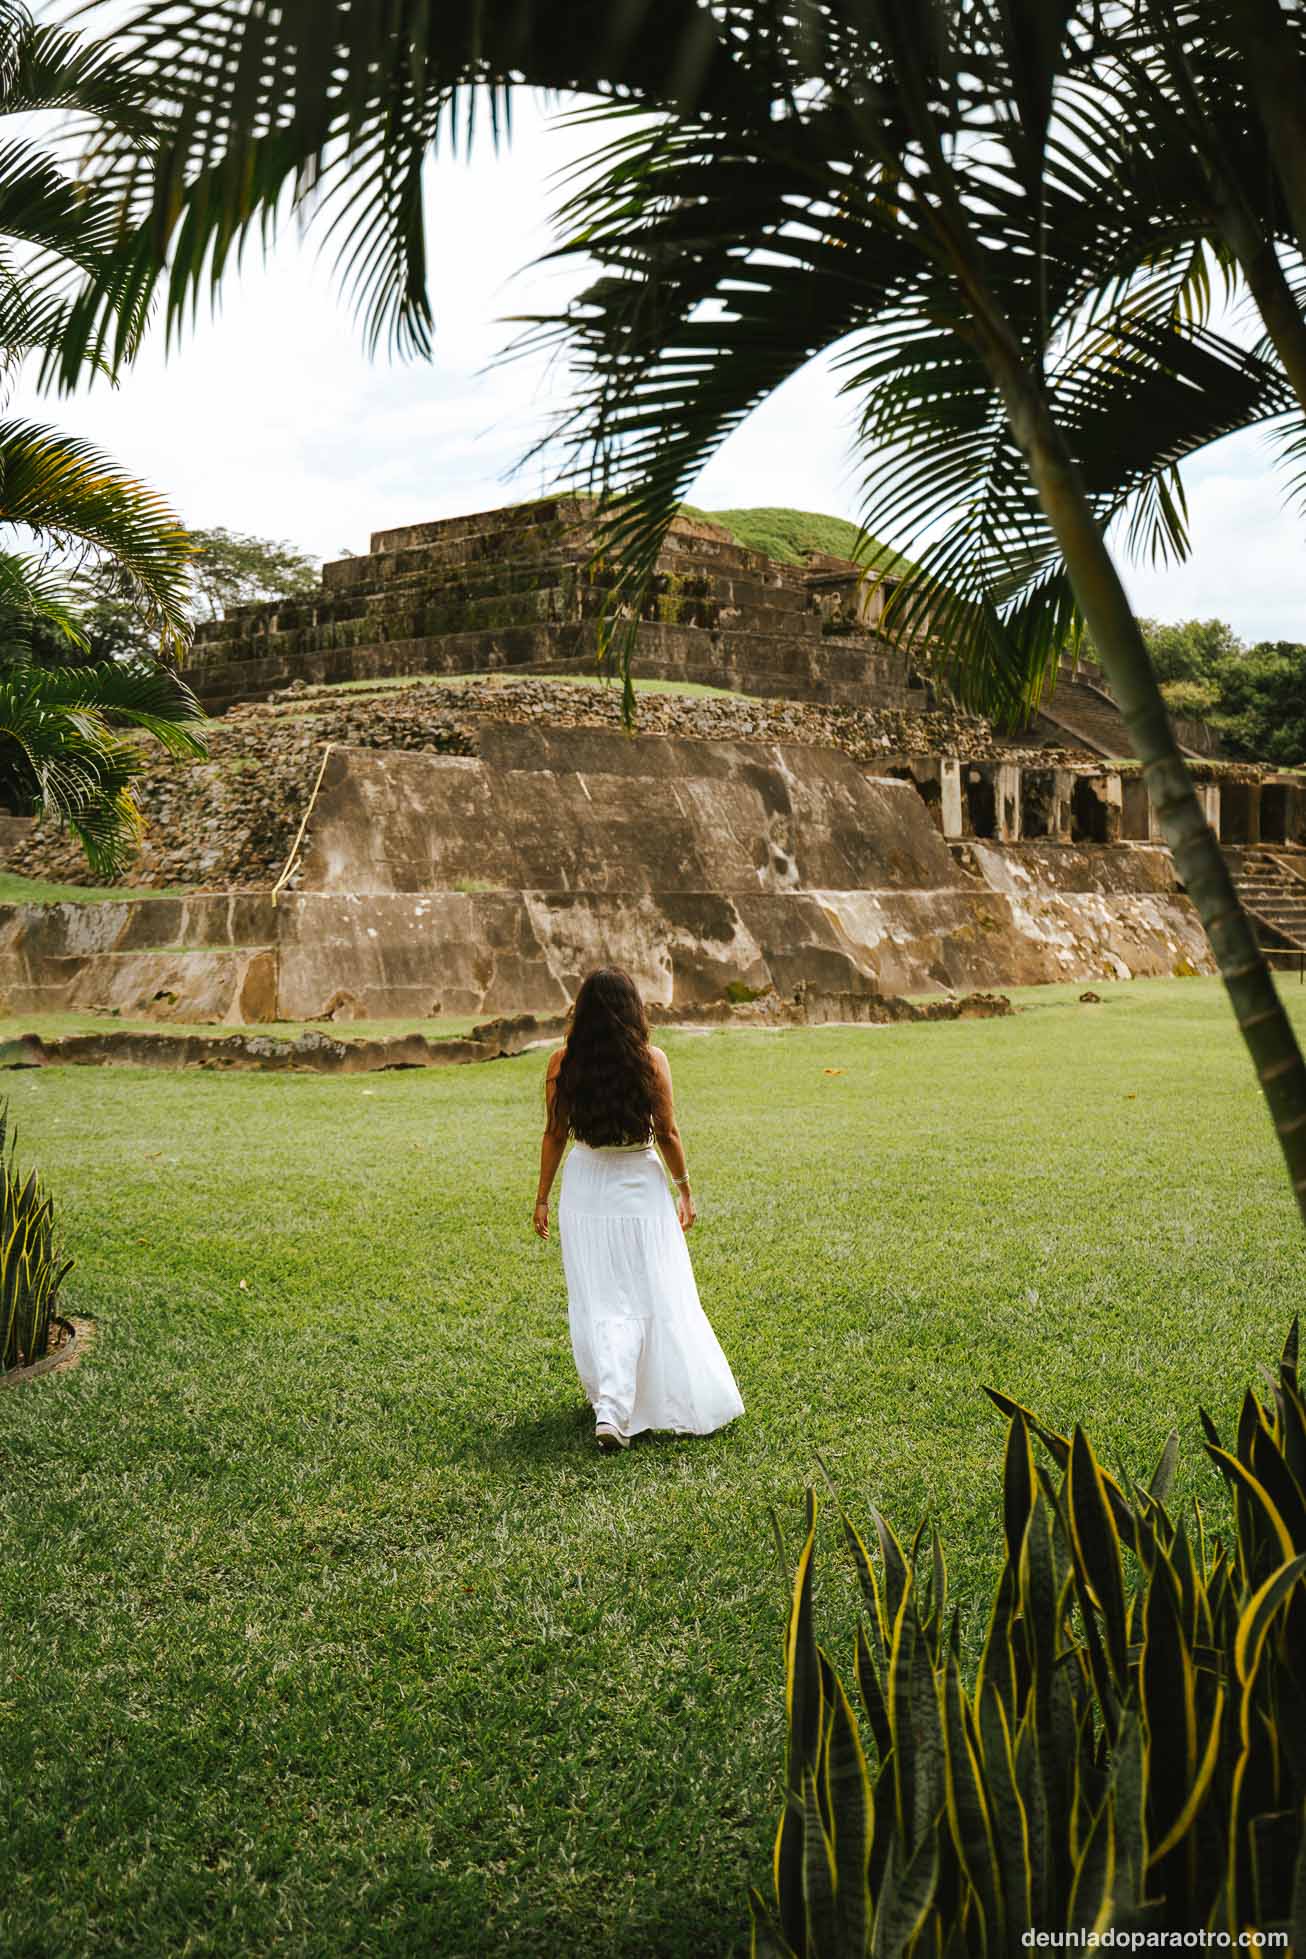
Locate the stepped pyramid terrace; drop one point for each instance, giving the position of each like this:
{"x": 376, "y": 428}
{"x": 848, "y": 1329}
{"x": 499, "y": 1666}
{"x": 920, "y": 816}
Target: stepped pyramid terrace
{"x": 420, "y": 801}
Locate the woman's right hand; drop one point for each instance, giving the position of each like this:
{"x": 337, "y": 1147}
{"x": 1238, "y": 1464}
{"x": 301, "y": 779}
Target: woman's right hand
{"x": 540, "y": 1221}
{"x": 685, "y": 1209}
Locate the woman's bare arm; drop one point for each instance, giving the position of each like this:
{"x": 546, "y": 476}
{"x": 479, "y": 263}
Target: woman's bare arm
{"x": 552, "y": 1148}
{"x": 668, "y": 1139}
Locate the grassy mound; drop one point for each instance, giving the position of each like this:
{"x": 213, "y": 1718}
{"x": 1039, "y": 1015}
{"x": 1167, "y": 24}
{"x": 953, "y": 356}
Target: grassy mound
{"x": 788, "y": 535}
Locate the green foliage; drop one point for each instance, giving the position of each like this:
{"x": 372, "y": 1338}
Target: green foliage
{"x": 1191, "y": 698}
{"x": 31, "y": 1266}
{"x": 233, "y": 568}
{"x": 788, "y": 535}
{"x": 1262, "y": 706}
{"x": 1191, "y": 649}
{"x": 1131, "y": 1751}
{"x": 1254, "y": 696}
{"x": 66, "y": 749}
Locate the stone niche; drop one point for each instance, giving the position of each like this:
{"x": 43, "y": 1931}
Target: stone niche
{"x": 1271, "y": 810}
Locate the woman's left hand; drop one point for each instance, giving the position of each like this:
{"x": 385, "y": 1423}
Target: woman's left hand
{"x": 541, "y": 1219}
{"x": 685, "y": 1210}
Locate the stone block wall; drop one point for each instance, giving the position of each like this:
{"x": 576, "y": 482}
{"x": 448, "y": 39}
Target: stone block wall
{"x": 517, "y": 589}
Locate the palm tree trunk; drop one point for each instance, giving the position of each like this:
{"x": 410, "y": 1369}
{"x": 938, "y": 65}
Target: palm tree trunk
{"x": 1276, "y": 81}
{"x": 1272, "y": 295}
{"x": 1261, "y": 1018}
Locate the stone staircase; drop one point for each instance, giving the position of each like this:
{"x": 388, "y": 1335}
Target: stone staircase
{"x": 1087, "y": 714}
{"x": 1273, "y": 890}
{"x": 1081, "y": 711}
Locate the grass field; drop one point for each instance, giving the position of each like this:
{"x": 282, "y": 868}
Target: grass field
{"x": 328, "y": 1633}
{"x": 15, "y": 890}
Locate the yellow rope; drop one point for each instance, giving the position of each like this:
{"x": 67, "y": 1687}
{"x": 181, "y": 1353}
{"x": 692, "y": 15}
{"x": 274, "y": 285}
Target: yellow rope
{"x": 303, "y": 825}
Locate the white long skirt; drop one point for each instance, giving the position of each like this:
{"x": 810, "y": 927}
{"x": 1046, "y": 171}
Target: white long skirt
{"x": 645, "y": 1353}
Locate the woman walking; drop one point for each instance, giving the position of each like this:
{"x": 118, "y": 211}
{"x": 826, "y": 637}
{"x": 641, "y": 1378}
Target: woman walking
{"x": 646, "y": 1356}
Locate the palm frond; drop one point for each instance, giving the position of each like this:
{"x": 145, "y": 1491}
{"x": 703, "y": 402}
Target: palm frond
{"x": 65, "y": 751}
{"x": 333, "y": 109}
{"x": 62, "y": 487}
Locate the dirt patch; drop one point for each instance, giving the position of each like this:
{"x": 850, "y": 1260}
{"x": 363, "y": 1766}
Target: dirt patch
{"x": 70, "y": 1340}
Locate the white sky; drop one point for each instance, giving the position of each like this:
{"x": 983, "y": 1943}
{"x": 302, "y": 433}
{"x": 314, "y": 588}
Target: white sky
{"x": 269, "y": 418}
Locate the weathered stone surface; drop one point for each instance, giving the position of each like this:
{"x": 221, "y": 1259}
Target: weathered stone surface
{"x": 204, "y": 957}
{"x": 492, "y": 883}
{"x": 520, "y": 588}
{"x": 587, "y": 811}
{"x": 231, "y": 822}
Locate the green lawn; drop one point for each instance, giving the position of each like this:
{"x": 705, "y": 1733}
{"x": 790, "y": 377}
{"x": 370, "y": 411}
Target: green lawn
{"x": 15, "y": 890}
{"x": 326, "y": 1631}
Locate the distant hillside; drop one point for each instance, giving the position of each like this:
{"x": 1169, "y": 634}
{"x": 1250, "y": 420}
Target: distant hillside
{"x": 789, "y": 534}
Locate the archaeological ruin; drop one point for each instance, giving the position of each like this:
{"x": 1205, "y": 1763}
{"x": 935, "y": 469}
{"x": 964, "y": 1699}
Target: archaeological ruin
{"x": 419, "y": 802}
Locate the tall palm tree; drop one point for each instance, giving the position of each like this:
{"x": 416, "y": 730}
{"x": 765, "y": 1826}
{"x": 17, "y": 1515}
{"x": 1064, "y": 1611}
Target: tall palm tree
{"x": 65, "y": 745}
{"x": 919, "y": 179}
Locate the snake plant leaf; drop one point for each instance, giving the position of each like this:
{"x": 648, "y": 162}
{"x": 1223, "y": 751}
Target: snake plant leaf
{"x": 802, "y": 1667}
{"x": 1129, "y": 1784}
{"x": 1163, "y": 1475}
{"x": 1097, "y": 1551}
{"x": 997, "y": 1664}
{"x": 1018, "y": 1482}
{"x": 868, "y": 1580}
{"x": 1200, "y": 1788}
{"x": 767, "y": 1940}
{"x": 1058, "y": 1447}
{"x": 1293, "y": 1426}
{"x": 868, "y": 1679}
{"x": 1167, "y": 1694}
{"x": 929, "y": 1769}
{"x": 1291, "y": 1345}
{"x": 850, "y": 1806}
{"x": 1259, "y": 1616}
{"x": 1010, "y": 1821}
{"x": 1092, "y": 1895}
{"x": 905, "y": 1899}
{"x": 1262, "y": 1529}
{"x": 896, "y": 1570}
{"x": 1211, "y": 1432}
{"x": 805, "y": 1721}
{"x": 1026, "y": 1754}
{"x": 819, "y": 1922}
{"x": 884, "y": 1837}
{"x": 901, "y": 1654}
{"x": 1039, "y": 1598}
{"x": 968, "y": 1813}
{"x": 1269, "y": 1466}
{"x": 787, "y": 1869}
{"x": 1251, "y": 1418}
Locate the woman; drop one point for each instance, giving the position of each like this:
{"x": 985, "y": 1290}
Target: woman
{"x": 646, "y": 1356}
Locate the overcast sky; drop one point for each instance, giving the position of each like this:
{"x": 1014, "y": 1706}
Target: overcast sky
{"x": 269, "y": 418}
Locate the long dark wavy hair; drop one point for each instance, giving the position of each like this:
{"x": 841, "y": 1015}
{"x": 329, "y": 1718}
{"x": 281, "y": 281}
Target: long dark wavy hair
{"x": 607, "y": 1089}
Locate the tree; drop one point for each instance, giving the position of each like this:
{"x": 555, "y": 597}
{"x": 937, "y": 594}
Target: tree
{"x": 936, "y": 187}
{"x": 232, "y": 568}
{"x": 65, "y": 721}
{"x": 1261, "y": 710}
{"x": 1193, "y": 649}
